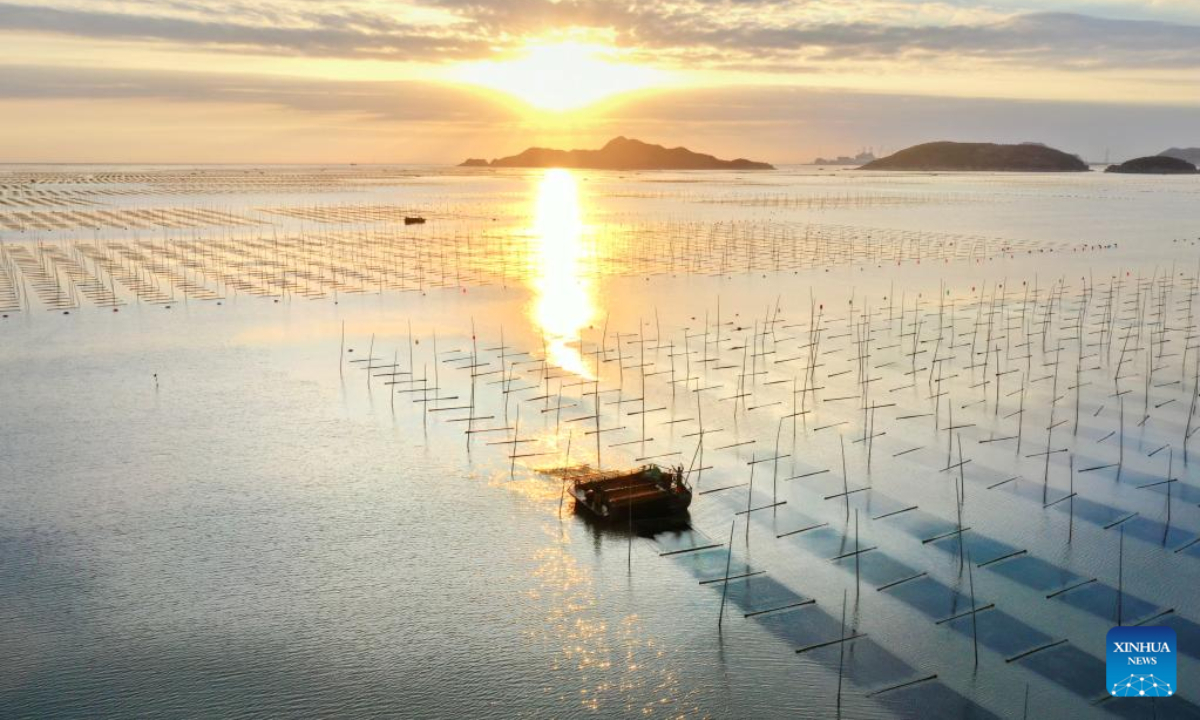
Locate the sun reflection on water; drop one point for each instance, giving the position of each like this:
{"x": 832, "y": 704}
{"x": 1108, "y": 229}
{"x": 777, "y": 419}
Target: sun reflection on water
{"x": 564, "y": 303}
{"x": 606, "y": 657}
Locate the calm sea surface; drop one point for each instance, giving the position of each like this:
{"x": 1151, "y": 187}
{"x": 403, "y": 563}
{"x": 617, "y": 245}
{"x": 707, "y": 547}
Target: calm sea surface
{"x": 268, "y": 451}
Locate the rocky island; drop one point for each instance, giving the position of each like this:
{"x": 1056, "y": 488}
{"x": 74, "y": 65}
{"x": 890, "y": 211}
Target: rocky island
{"x": 862, "y": 158}
{"x": 619, "y": 154}
{"x": 1154, "y": 165}
{"x": 1191, "y": 154}
{"x": 979, "y": 157}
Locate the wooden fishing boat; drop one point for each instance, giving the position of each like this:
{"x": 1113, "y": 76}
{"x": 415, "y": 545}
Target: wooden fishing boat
{"x": 649, "y": 491}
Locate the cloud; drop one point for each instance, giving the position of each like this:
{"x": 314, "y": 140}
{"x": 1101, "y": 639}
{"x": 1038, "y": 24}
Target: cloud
{"x": 310, "y": 34}
{"x": 767, "y": 35}
{"x": 1067, "y": 41}
{"x": 392, "y": 101}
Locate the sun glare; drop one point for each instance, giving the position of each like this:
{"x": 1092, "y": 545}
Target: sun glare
{"x": 561, "y": 77}
{"x": 563, "y": 302}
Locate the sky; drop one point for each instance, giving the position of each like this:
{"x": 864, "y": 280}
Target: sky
{"x": 436, "y": 81}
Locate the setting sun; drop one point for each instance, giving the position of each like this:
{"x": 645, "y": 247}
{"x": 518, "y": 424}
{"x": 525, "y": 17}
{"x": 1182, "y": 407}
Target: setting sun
{"x": 560, "y": 77}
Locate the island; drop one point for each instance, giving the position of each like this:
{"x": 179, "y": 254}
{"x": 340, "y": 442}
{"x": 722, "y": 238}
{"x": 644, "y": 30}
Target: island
{"x": 620, "y": 153}
{"x": 1154, "y": 165}
{"x": 860, "y": 159}
{"x": 980, "y": 157}
{"x": 1191, "y": 154}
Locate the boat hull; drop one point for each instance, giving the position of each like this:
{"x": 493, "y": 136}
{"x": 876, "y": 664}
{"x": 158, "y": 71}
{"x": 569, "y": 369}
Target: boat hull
{"x": 666, "y": 506}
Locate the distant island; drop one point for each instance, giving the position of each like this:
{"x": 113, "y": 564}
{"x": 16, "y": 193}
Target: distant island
{"x": 1154, "y": 165}
{"x": 860, "y": 159}
{"x": 619, "y": 154}
{"x": 1192, "y": 154}
{"x": 980, "y": 157}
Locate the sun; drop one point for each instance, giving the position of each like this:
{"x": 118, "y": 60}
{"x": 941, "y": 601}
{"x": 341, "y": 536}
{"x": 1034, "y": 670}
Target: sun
{"x": 562, "y": 76}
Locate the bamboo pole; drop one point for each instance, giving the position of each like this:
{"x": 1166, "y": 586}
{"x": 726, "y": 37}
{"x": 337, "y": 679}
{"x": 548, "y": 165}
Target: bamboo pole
{"x": 728, "y": 562}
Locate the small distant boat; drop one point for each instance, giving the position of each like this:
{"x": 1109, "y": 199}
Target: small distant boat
{"x": 413, "y": 220}
{"x": 649, "y": 491}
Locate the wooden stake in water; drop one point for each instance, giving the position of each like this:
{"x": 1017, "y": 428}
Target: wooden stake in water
{"x": 642, "y": 362}
{"x": 1121, "y": 439}
{"x": 411, "y": 364}
{"x": 370, "y": 359}
{"x": 841, "y": 655}
{"x": 1021, "y": 412}
{"x": 700, "y": 422}
{"x": 962, "y": 474}
{"x": 1071, "y": 502}
{"x": 566, "y": 464}
{"x": 750, "y": 495}
{"x": 599, "y": 464}
{"x": 958, "y": 505}
{"x": 871, "y": 440}
{"x": 395, "y": 359}
{"x": 775, "y": 470}
{"x": 1121, "y": 577}
{"x": 474, "y": 363}
{"x": 845, "y": 480}
{"x": 512, "y": 468}
{"x": 437, "y": 382}
{"x": 505, "y": 381}
{"x": 728, "y": 562}
{"x": 629, "y": 549}
{"x": 857, "y": 555}
{"x": 974, "y": 609}
{"x": 1170, "y": 482}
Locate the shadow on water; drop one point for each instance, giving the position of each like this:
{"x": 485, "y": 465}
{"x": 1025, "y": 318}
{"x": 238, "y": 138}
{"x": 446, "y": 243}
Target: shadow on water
{"x": 619, "y": 530}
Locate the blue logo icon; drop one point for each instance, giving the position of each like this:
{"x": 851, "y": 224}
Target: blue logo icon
{"x": 1141, "y": 662}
